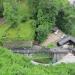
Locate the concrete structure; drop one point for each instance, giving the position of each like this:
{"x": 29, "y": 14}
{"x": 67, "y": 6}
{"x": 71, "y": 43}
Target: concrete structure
{"x": 58, "y": 53}
{"x": 67, "y": 42}
{"x": 69, "y": 58}
{"x": 72, "y": 1}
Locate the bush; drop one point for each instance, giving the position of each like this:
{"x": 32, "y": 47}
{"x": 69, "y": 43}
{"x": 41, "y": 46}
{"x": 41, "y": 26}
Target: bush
{"x": 71, "y": 71}
{"x": 15, "y": 12}
{"x": 16, "y": 64}
{"x": 1, "y": 8}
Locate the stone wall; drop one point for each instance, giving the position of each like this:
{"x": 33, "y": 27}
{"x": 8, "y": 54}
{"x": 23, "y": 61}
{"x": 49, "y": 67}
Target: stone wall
{"x": 58, "y": 56}
{"x": 17, "y": 44}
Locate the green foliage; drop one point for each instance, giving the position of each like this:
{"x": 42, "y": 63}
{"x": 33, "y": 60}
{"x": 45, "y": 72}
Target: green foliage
{"x": 24, "y": 31}
{"x": 46, "y": 14}
{"x": 44, "y": 58}
{"x": 15, "y": 12}
{"x": 15, "y": 64}
{"x": 3, "y": 29}
{"x": 10, "y": 12}
{"x": 42, "y": 32}
{"x": 1, "y": 8}
{"x": 33, "y": 4}
{"x": 51, "y": 45}
{"x": 49, "y": 13}
{"x": 10, "y": 65}
{"x": 73, "y": 31}
{"x": 72, "y": 18}
{"x": 65, "y": 19}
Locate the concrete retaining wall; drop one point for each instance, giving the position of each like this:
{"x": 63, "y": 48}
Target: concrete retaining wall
{"x": 17, "y": 44}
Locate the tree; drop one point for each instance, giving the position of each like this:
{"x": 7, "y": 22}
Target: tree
{"x": 63, "y": 21}
{"x": 45, "y": 18}
{"x": 43, "y": 12}
{"x": 15, "y": 12}
{"x": 33, "y": 4}
{"x": 1, "y": 8}
{"x": 10, "y": 12}
{"x": 72, "y": 18}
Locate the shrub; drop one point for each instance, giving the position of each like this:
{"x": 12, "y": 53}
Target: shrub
{"x": 1, "y": 8}
{"x": 15, "y": 12}
{"x": 51, "y": 46}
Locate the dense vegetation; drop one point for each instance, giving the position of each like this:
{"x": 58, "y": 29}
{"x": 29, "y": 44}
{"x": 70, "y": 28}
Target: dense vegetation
{"x": 15, "y": 64}
{"x": 1, "y": 8}
{"x": 44, "y": 15}
{"x": 33, "y": 20}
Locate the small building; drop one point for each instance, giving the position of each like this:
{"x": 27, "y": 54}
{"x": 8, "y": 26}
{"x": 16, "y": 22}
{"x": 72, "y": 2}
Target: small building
{"x": 58, "y": 53}
{"x": 67, "y": 42}
{"x": 69, "y": 58}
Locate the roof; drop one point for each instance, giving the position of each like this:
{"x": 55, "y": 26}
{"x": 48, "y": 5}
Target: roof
{"x": 66, "y": 39}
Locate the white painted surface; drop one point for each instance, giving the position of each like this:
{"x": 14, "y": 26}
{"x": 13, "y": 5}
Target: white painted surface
{"x": 71, "y": 1}
{"x": 36, "y": 63}
{"x": 65, "y": 46}
{"x": 69, "y": 58}
{"x": 56, "y": 32}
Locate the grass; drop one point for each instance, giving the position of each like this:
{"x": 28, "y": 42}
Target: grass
{"x": 52, "y": 45}
{"x": 24, "y": 31}
{"x": 11, "y": 64}
{"x": 3, "y": 28}
{"x": 42, "y": 58}
{"x": 40, "y": 55}
{"x": 16, "y": 64}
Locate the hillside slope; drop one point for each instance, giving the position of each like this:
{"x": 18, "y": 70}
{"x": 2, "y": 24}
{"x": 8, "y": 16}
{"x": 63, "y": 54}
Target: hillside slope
{"x": 24, "y": 31}
{"x": 15, "y": 64}
{"x": 52, "y": 38}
